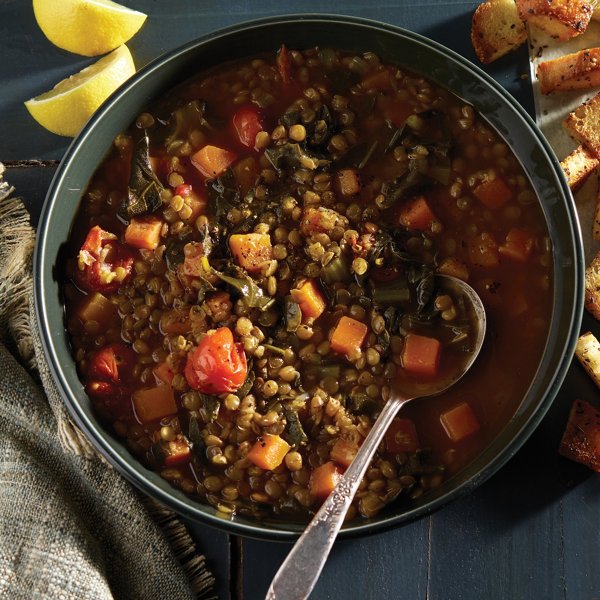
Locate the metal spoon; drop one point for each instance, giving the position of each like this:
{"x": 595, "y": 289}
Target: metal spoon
{"x": 301, "y": 569}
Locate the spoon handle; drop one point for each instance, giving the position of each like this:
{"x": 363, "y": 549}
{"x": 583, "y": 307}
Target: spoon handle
{"x": 299, "y": 572}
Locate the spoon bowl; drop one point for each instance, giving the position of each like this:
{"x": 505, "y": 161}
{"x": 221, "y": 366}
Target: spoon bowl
{"x": 300, "y": 571}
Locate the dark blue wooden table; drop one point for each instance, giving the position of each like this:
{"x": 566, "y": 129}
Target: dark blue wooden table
{"x": 532, "y": 531}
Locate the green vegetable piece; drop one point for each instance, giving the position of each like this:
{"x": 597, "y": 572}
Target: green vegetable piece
{"x": 197, "y": 442}
{"x": 336, "y": 270}
{"x": 143, "y": 192}
{"x": 245, "y": 388}
{"x": 210, "y": 407}
{"x": 293, "y": 315}
{"x": 396, "y": 293}
{"x": 294, "y": 434}
{"x": 251, "y": 294}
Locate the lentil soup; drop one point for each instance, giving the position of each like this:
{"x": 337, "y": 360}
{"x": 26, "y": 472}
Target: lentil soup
{"x": 253, "y": 265}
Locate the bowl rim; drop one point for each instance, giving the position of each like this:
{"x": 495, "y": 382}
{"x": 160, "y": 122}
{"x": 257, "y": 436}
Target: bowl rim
{"x": 172, "y": 497}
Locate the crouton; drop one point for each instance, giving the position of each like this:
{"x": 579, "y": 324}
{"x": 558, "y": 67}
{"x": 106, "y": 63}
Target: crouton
{"x": 562, "y": 19}
{"x": 577, "y": 71}
{"x": 587, "y": 352}
{"x": 496, "y": 29}
{"x": 592, "y": 287}
{"x": 581, "y": 439}
{"x": 578, "y": 166}
{"x": 582, "y": 124}
{"x": 596, "y": 223}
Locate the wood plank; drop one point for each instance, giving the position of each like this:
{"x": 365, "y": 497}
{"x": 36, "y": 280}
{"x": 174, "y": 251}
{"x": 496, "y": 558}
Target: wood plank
{"x": 380, "y": 566}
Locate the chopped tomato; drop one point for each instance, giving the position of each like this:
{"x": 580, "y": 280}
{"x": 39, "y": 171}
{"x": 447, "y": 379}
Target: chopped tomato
{"x": 284, "y": 64}
{"x": 217, "y": 365}
{"x": 112, "y": 363}
{"x": 247, "y": 123}
{"x": 178, "y": 452}
{"x": 103, "y": 263}
{"x": 183, "y": 190}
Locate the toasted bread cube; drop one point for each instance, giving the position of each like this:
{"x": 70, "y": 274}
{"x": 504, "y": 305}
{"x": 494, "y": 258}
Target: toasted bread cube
{"x": 587, "y": 352}
{"x": 582, "y": 124}
{"x": 577, "y": 71}
{"x": 592, "y": 287}
{"x": 496, "y": 29}
{"x": 581, "y": 439}
{"x": 578, "y": 166}
{"x": 562, "y": 19}
{"x": 596, "y": 224}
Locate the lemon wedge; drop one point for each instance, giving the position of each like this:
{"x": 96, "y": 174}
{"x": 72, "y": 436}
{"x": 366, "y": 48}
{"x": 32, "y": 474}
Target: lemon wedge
{"x": 66, "y": 107}
{"x": 88, "y": 27}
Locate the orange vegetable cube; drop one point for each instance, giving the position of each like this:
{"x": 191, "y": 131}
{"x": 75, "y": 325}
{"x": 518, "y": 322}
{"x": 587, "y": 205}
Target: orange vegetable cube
{"x": 581, "y": 439}
{"x": 417, "y": 214}
{"x": 494, "y": 193}
{"x": 212, "y": 161}
{"x": 268, "y": 452}
{"x": 483, "y": 250}
{"x": 454, "y": 267}
{"x": 323, "y": 479}
{"x": 144, "y": 232}
{"x": 343, "y": 452}
{"x": 460, "y": 422}
{"x": 348, "y": 336}
{"x": 518, "y": 245}
{"x": 251, "y": 250}
{"x": 151, "y": 404}
{"x": 348, "y": 182}
{"x": 163, "y": 374}
{"x": 421, "y": 355}
{"x": 311, "y": 300}
{"x": 96, "y": 307}
{"x": 401, "y": 436}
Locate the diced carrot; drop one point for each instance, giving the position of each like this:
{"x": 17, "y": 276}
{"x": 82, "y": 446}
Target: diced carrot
{"x": 268, "y": 452}
{"x": 163, "y": 374}
{"x": 417, "y": 214}
{"x": 151, "y": 404}
{"x": 175, "y": 322}
{"x": 343, "y": 452}
{"x": 144, "y": 232}
{"x": 401, "y": 436}
{"x": 348, "y": 182}
{"x": 421, "y": 355}
{"x": 251, "y": 250}
{"x": 96, "y": 307}
{"x": 393, "y": 110}
{"x": 460, "y": 422}
{"x": 211, "y": 161}
{"x": 454, "y": 267}
{"x": 483, "y": 250}
{"x": 348, "y": 336}
{"x": 323, "y": 479}
{"x": 311, "y": 300}
{"x": 379, "y": 81}
{"x": 179, "y": 453}
{"x": 493, "y": 193}
{"x": 246, "y": 172}
{"x": 518, "y": 245}
{"x": 581, "y": 439}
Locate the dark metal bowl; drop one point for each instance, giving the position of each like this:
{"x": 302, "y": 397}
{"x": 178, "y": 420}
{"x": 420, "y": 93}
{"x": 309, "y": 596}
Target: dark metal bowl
{"x": 395, "y": 45}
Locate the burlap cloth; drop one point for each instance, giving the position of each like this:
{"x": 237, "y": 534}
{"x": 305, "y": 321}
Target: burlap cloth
{"x": 70, "y": 526}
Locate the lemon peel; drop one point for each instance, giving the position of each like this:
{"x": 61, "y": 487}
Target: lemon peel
{"x": 66, "y": 107}
{"x": 87, "y": 27}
